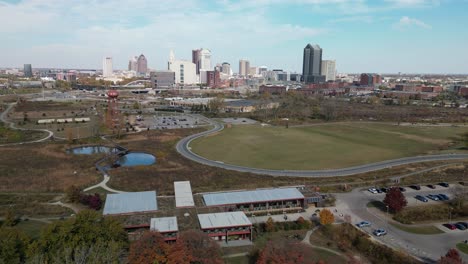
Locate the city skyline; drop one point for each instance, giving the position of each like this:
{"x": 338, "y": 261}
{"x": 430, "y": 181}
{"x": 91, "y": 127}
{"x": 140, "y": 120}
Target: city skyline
{"x": 386, "y": 36}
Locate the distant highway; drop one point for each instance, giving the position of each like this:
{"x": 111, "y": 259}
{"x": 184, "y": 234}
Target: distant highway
{"x": 184, "y": 149}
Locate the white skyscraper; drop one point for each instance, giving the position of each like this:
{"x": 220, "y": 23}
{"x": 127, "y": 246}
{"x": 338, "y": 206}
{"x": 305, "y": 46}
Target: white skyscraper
{"x": 205, "y": 59}
{"x": 329, "y": 70}
{"x": 132, "y": 63}
{"x": 244, "y": 67}
{"x": 107, "y": 67}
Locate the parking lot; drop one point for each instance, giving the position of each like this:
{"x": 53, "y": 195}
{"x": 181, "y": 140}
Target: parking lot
{"x": 173, "y": 121}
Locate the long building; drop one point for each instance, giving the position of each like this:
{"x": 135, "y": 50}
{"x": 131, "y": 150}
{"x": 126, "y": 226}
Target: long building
{"x": 130, "y": 203}
{"x": 226, "y": 226}
{"x": 166, "y": 226}
{"x": 267, "y": 200}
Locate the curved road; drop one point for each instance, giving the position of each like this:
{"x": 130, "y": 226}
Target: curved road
{"x": 12, "y": 126}
{"x": 184, "y": 149}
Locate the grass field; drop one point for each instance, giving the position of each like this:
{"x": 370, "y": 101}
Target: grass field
{"x": 325, "y": 146}
{"x": 463, "y": 247}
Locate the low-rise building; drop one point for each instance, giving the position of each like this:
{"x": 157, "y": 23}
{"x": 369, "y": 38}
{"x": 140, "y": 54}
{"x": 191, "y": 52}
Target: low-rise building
{"x": 130, "y": 203}
{"x": 226, "y": 226}
{"x": 167, "y": 226}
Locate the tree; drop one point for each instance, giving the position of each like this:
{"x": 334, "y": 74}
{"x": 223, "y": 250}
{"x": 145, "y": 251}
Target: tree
{"x": 73, "y": 194}
{"x": 284, "y": 252}
{"x": 452, "y": 257}
{"x": 150, "y": 248}
{"x": 10, "y": 219}
{"x": 200, "y": 247}
{"x": 13, "y": 244}
{"x": 328, "y": 110}
{"x": 178, "y": 254}
{"x": 395, "y": 200}
{"x": 216, "y": 104}
{"x": 270, "y": 225}
{"x": 303, "y": 224}
{"x": 81, "y": 238}
{"x": 326, "y": 217}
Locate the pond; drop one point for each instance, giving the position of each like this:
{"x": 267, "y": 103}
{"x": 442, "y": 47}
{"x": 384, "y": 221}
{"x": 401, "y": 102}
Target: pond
{"x": 90, "y": 150}
{"x": 136, "y": 159}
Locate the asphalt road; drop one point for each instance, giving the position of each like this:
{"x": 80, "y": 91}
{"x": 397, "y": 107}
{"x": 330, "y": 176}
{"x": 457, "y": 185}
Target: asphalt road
{"x": 183, "y": 147}
{"x": 428, "y": 248}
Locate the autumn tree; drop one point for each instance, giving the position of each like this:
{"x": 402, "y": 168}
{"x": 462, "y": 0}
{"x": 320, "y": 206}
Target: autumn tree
{"x": 326, "y": 217}
{"x": 284, "y": 252}
{"x": 270, "y": 225}
{"x": 452, "y": 257}
{"x": 87, "y": 236}
{"x": 178, "y": 253}
{"x": 73, "y": 194}
{"x": 13, "y": 244}
{"x": 201, "y": 247}
{"x": 150, "y": 248}
{"x": 304, "y": 224}
{"x": 395, "y": 200}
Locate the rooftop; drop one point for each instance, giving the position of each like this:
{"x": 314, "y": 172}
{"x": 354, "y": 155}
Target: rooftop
{"x": 254, "y": 196}
{"x": 219, "y": 220}
{"x": 132, "y": 202}
{"x": 164, "y": 224}
{"x": 183, "y": 194}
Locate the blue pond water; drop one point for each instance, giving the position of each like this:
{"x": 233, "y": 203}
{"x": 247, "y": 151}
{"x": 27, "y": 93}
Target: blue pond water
{"x": 136, "y": 159}
{"x": 90, "y": 150}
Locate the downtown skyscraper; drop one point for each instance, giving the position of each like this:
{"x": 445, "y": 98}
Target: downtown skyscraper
{"x": 312, "y": 64}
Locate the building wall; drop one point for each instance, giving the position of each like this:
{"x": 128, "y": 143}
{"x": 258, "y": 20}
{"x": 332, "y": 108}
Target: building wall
{"x": 213, "y": 79}
{"x": 142, "y": 65}
{"x": 185, "y": 71}
{"x": 244, "y": 66}
{"x": 162, "y": 79}
{"x": 225, "y": 234}
{"x": 329, "y": 70}
{"x": 312, "y": 64}
{"x": 27, "y": 70}
{"x": 226, "y": 68}
{"x": 272, "y": 89}
{"x": 205, "y": 59}
{"x": 107, "y": 70}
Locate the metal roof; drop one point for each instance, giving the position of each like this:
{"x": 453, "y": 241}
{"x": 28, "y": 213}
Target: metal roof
{"x": 131, "y": 202}
{"x": 183, "y": 194}
{"x": 220, "y": 220}
{"x": 255, "y": 196}
{"x": 164, "y": 224}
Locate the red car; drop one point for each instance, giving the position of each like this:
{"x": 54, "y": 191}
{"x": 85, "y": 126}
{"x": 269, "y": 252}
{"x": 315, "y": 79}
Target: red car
{"x": 450, "y": 226}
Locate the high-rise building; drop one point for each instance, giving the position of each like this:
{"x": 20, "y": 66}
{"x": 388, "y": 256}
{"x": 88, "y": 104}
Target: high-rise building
{"x": 185, "y": 71}
{"x": 253, "y": 71}
{"x": 205, "y": 59}
{"x": 132, "y": 63}
{"x": 244, "y": 67}
{"x": 107, "y": 70}
{"x": 329, "y": 70}
{"x": 142, "y": 65}
{"x": 213, "y": 79}
{"x": 196, "y": 59}
{"x": 262, "y": 69}
{"x": 312, "y": 64}
{"x": 27, "y": 70}
{"x": 226, "y": 68}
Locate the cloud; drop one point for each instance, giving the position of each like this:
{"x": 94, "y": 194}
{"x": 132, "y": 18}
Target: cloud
{"x": 407, "y": 22}
{"x": 413, "y": 3}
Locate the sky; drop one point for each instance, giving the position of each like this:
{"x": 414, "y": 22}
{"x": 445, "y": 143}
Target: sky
{"x": 382, "y": 36}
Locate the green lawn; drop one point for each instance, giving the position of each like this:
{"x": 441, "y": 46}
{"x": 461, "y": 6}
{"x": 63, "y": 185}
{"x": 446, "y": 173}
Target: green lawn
{"x": 463, "y": 247}
{"x": 421, "y": 230}
{"x": 321, "y": 146}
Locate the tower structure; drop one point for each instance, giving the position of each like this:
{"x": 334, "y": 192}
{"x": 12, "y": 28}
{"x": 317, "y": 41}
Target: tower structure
{"x": 113, "y": 114}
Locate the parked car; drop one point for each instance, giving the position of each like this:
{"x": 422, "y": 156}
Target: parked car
{"x": 373, "y": 190}
{"x": 363, "y": 224}
{"x": 433, "y": 197}
{"x": 443, "y": 197}
{"x": 431, "y": 186}
{"x": 450, "y": 226}
{"x": 416, "y": 187}
{"x": 465, "y": 224}
{"x": 380, "y": 232}
{"x": 384, "y": 189}
{"x": 444, "y": 184}
{"x": 460, "y": 226}
{"x": 421, "y": 198}
{"x": 402, "y": 189}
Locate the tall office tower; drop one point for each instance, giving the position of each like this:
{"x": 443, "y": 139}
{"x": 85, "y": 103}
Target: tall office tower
{"x": 262, "y": 69}
{"x": 312, "y": 64}
{"x": 142, "y": 65}
{"x": 244, "y": 67}
{"x": 132, "y": 63}
{"x": 329, "y": 70}
{"x": 27, "y": 70}
{"x": 196, "y": 59}
{"x": 226, "y": 68}
{"x": 205, "y": 59}
{"x": 107, "y": 67}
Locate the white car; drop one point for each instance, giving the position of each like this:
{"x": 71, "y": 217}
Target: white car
{"x": 373, "y": 190}
{"x": 380, "y": 232}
